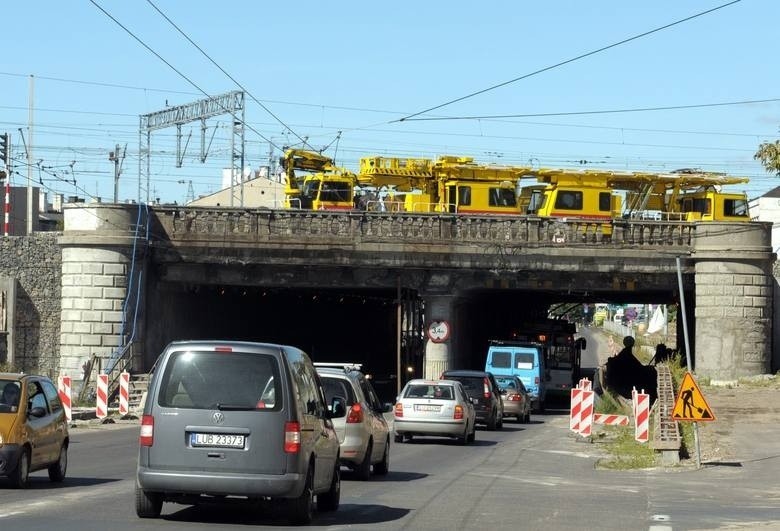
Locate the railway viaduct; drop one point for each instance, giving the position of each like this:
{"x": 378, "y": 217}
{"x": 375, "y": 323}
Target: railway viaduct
{"x": 368, "y": 284}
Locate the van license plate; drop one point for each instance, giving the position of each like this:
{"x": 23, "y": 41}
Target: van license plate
{"x": 217, "y": 440}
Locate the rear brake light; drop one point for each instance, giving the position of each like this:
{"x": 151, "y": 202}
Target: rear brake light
{"x": 485, "y": 388}
{"x": 536, "y": 380}
{"x": 515, "y": 398}
{"x": 223, "y": 349}
{"x": 147, "y": 431}
{"x": 292, "y": 437}
{"x": 399, "y": 410}
{"x": 355, "y": 415}
{"x": 458, "y": 412}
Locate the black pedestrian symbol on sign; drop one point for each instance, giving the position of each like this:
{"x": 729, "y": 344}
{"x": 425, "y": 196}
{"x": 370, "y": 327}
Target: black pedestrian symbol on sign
{"x": 690, "y": 404}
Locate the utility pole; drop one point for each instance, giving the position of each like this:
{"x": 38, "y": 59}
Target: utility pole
{"x": 117, "y": 156}
{"x": 5, "y": 151}
{"x": 30, "y": 161}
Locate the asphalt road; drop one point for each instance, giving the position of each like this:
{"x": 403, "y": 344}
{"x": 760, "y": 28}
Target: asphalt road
{"x": 524, "y": 477}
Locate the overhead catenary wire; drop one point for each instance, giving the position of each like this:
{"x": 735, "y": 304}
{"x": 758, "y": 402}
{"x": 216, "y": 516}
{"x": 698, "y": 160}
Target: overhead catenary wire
{"x": 567, "y": 61}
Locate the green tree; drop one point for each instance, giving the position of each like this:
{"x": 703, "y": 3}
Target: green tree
{"x": 769, "y": 155}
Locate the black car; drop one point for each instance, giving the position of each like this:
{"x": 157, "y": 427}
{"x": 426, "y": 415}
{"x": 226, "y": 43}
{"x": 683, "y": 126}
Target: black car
{"x": 484, "y": 392}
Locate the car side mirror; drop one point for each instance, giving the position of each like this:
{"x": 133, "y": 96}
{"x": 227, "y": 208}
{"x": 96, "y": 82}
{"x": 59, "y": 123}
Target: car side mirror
{"x": 38, "y": 412}
{"x": 338, "y": 407}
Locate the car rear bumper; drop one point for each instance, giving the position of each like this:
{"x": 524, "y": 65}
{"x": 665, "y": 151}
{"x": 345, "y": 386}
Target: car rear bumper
{"x": 353, "y": 449}
{"x": 195, "y": 483}
{"x": 450, "y": 428}
{"x": 9, "y": 456}
{"x": 512, "y": 408}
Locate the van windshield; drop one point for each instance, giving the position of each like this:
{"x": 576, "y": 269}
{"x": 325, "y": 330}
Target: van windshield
{"x": 212, "y": 380}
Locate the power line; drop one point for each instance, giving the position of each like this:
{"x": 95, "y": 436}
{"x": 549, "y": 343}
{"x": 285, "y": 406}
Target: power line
{"x": 191, "y": 82}
{"x": 266, "y": 109}
{"x": 609, "y": 111}
{"x": 567, "y": 61}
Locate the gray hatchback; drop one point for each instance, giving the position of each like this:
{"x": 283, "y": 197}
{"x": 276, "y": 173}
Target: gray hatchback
{"x": 237, "y": 419}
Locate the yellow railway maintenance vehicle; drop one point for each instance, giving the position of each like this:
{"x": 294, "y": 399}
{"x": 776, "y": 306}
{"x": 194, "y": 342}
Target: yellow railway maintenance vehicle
{"x": 324, "y": 186}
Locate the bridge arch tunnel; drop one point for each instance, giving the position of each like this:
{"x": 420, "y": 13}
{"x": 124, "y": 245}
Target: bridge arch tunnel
{"x": 345, "y": 324}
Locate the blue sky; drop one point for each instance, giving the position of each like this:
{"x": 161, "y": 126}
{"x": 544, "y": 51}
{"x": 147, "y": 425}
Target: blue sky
{"x": 358, "y": 67}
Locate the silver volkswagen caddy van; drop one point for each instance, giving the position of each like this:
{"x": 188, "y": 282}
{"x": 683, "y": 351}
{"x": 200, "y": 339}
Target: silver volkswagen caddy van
{"x": 243, "y": 419}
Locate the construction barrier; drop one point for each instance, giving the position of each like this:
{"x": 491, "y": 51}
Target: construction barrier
{"x": 64, "y": 391}
{"x": 124, "y": 393}
{"x": 586, "y": 413}
{"x": 642, "y": 417}
{"x": 610, "y": 420}
{"x": 575, "y": 409}
{"x": 101, "y": 407}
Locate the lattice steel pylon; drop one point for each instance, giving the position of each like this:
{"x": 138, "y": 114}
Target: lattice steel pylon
{"x": 231, "y": 103}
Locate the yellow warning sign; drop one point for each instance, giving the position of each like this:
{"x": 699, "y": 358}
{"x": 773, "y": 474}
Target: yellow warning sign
{"x": 690, "y": 404}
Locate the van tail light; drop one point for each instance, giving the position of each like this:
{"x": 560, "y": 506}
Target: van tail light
{"x": 536, "y": 380}
{"x": 486, "y": 388}
{"x": 458, "y": 412}
{"x": 292, "y": 437}
{"x": 399, "y": 410}
{"x": 147, "y": 431}
{"x": 355, "y": 415}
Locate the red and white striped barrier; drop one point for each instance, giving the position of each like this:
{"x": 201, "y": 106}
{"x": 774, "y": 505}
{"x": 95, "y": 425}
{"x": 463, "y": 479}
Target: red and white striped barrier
{"x": 575, "y": 409}
{"x": 101, "y": 407}
{"x": 64, "y": 390}
{"x": 124, "y": 393}
{"x": 610, "y": 420}
{"x": 586, "y": 413}
{"x": 642, "y": 417}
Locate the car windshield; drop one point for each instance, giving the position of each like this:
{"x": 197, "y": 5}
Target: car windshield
{"x": 471, "y": 384}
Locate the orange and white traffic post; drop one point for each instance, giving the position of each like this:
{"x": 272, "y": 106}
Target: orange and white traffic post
{"x": 642, "y": 417}
{"x": 101, "y": 407}
{"x": 124, "y": 393}
{"x": 586, "y": 413}
{"x": 64, "y": 391}
{"x": 575, "y": 409}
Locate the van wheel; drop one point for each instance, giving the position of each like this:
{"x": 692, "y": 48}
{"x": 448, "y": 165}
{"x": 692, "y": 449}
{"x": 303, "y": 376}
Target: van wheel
{"x": 520, "y": 418}
{"x": 57, "y": 470}
{"x": 147, "y": 504}
{"x": 20, "y": 476}
{"x": 363, "y": 470}
{"x": 329, "y": 501}
{"x": 383, "y": 466}
{"x": 528, "y": 418}
{"x": 300, "y": 510}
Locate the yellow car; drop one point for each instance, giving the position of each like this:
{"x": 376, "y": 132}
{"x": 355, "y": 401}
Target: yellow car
{"x": 33, "y": 429}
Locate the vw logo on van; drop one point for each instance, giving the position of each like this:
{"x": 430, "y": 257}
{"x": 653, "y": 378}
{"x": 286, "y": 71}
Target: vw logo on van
{"x": 218, "y": 417}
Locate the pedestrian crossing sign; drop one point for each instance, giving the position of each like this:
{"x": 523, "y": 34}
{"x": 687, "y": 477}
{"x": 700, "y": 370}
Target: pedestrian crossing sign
{"x": 690, "y": 404}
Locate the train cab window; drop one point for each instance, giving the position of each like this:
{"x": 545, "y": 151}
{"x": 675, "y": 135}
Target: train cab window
{"x": 605, "y": 202}
{"x": 569, "y": 200}
{"x": 502, "y": 197}
{"x": 735, "y": 207}
{"x": 464, "y": 195}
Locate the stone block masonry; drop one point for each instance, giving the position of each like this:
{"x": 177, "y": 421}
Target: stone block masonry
{"x": 94, "y": 283}
{"x": 34, "y": 264}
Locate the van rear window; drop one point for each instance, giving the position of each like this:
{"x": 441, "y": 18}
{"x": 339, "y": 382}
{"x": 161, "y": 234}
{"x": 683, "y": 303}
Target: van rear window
{"x": 212, "y": 380}
{"x": 501, "y": 359}
{"x": 524, "y": 360}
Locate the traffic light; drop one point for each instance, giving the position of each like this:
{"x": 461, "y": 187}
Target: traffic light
{"x": 5, "y": 148}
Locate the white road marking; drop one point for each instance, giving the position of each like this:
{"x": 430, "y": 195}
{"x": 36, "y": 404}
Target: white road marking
{"x": 557, "y": 482}
{"x": 77, "y": 495}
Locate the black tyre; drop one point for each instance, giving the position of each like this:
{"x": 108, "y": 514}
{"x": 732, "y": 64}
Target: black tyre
{"x": 528, "y": 418}
{"x": 464, "y": 439}
{"x": 398, "y": 438}
{"x": 383, "y": 466}
{"x": 330, "y": 500}
{"x": 520, "y": 418}
{"x": 363, "y": 470}
{"x": 491, "y": 421}
{"x": 20, "y": 476}
{"x": 500, "y": 422}
{"x": 473, "y": 434}
{"x": 300, "y": 510}
{"x": 147, "y": 504}
{"x": 57, "y": 470}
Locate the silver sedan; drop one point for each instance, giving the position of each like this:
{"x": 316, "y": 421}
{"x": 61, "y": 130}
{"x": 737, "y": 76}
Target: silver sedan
{"x": 434, "y": 408}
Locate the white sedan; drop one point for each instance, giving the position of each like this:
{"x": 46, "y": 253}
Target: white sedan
{"x": 434, "y": 408}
